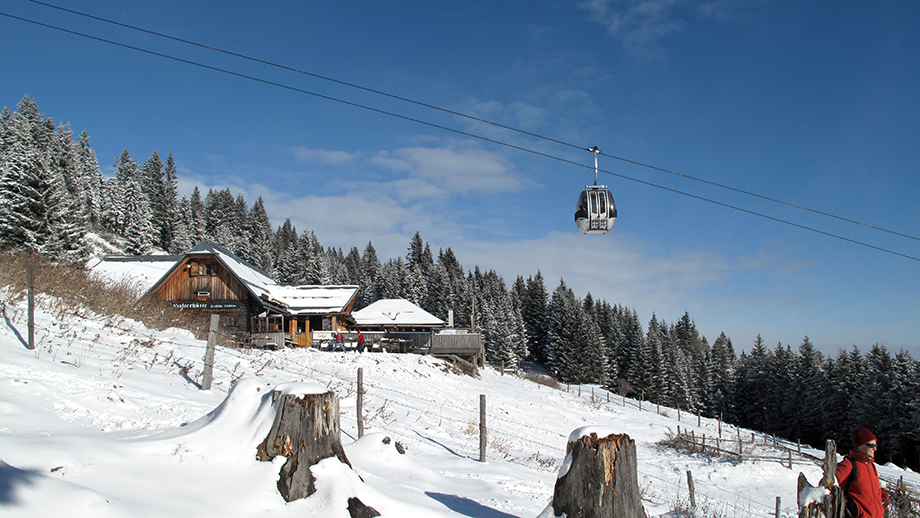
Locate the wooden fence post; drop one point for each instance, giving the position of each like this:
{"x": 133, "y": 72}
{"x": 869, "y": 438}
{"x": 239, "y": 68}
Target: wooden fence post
{"x": 482, "y": 428}
{"x": 209, "y": 353}
{"x": 360, "y": 402}
{"x": 777, "y": 507}
{"x": 692, "y": 493}
{"x": 30, "y": 278}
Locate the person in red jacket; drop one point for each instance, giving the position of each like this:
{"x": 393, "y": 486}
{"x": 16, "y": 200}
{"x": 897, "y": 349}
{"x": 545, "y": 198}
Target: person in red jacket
{"x": 863, "y": 490}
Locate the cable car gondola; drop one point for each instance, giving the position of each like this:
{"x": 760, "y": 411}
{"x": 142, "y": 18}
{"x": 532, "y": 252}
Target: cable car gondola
{"x": 596, "y": 211}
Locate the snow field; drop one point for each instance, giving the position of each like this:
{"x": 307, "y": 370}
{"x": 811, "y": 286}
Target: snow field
{"x": 104, "y": 418}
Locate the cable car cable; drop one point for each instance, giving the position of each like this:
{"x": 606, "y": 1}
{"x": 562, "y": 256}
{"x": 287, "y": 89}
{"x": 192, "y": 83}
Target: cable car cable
{"x": 477, "y": 119}
{"x": 452, "y": 130}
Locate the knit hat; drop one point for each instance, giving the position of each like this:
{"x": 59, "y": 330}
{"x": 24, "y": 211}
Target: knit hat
{"x": 862, "y": 436}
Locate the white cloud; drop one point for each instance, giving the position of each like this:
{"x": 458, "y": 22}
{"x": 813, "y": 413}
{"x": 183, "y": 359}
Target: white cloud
{"x": 641, "y": 23}
{"x": 620, "y": 268}
{"x": 462, "y": 172}
{"x": 517, "y": 114}
{"x": 637, "y": 23}
{"x": 323, "y": 156}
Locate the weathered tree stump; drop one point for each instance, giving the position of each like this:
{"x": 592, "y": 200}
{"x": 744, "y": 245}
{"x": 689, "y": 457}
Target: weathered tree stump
{"x": 306, "y": 431}
{"x": 600, "y": 478}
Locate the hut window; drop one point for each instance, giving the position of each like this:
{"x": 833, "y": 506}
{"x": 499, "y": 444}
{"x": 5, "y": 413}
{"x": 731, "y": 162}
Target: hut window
{"x": 301, "y": 325}
{"x": 233, "y": 321}
{"x": 205, "y": 270}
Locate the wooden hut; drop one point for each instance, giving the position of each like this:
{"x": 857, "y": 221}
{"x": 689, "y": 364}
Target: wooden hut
{"x": 210, "y": 279}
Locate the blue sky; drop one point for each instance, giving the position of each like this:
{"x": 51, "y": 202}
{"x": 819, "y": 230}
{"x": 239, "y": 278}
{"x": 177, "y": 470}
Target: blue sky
{"x": 813, "y": 103}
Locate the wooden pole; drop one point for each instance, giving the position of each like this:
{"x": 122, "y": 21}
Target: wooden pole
{"x": 360, "y": 402}
{"x": 482, "y": 428}
{"x": 209, "y": 353}
{"x": 30, "y": 277}
{"x": 777, "y": 507}
{"x": 692, "y": 493}
{"x": 698, "y": 421}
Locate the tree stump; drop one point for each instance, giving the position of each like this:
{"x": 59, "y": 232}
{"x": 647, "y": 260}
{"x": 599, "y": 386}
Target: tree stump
{"x": 306, "y": 431}
{"x": 600, "y": 480}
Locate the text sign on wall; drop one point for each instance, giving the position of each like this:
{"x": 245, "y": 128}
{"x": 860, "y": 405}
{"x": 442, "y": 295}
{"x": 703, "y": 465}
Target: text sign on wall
{"x": 206, "y": 305}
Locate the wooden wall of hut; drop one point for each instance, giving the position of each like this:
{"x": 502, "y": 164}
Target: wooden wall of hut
{"x": 198, "y": 276}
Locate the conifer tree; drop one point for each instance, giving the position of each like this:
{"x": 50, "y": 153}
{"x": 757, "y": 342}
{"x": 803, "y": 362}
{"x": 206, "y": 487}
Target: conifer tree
{"x": 91, "y": 181}
{"x": 261, "y": 248}
{"x": 154, "y": 187}
{"x": 169, "y": 203}
{"x": 181, "y": 240}
{"x": 196, "y": 228}
{"x": 533, "y": 311}
{"x": 370, "y": 272}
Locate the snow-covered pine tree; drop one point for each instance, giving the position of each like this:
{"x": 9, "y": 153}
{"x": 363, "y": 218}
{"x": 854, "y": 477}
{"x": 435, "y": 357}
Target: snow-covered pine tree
{"x": 438, "y": 293}
{"x": 170, "y": 203}
{"x": 500, "y": 322}
{"x": 154, "y": 187}
{"x": 221, "y": 223}
{"x": 181, "y": 239}
{"x": 369, "y": 273}
{"x": 37, "y": 212}
{"x": 461, "y": 297}
{"x": 646, "y": 374}
{"x": 722, "y": 375}
{"x": 312, "y": 261}
{"x": 261, "y": 249}
{"x": 90, "y": 179}
{"x": 751, "y": 387}
{"x": 240, "y": 241}
{"x": 138, "y": 231}
{"x": 196, "y": 227}
{"x": 533, "y": 311}
{"x": 394, "y": 281}
{"x": 563, "y": 313}
{"x": 335, "y": 265}
{"x": 353, "y": 267}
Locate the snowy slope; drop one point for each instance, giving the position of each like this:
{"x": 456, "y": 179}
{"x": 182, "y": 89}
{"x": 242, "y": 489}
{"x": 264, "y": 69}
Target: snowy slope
{"x": 105, "y": 419}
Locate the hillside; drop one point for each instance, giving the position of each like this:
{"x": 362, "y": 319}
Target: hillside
{"x": 104, "y": 419}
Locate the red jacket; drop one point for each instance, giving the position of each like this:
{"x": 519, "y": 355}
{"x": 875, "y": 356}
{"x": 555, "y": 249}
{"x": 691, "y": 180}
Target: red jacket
{"x": 865, "y": 491}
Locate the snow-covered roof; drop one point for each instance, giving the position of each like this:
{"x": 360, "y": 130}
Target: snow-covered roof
{"x": 395, "y": 312}
{"x": 143, "y": 271}
{"x": 295, "y": 300}
{"x": 150, "y": 271}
